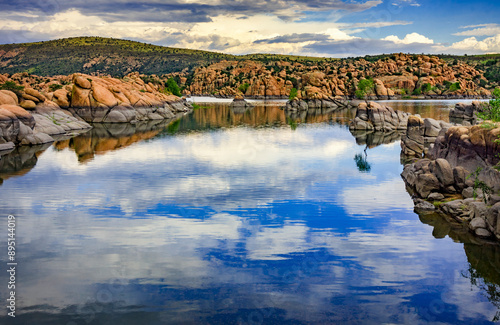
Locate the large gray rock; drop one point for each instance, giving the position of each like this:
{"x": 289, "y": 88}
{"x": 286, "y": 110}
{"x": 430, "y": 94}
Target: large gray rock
{"x": 431, "y": 127}
{"x": 296, "y": 105}
{"x": 457, "y": 209}
{"x": 412, "y": 143}
{"x": 373, "y": 116}
{"x": 425, "y": 184}
{"x": 492, "y": 220}
{"x": 423, "y": 206}
{"x": 443, "y": 171}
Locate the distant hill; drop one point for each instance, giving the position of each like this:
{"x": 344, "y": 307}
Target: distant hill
{"x": 111, "y": 56}
{"x": 104, "y": 55}
{"x": 254, "y": 75}
{"x": 118, "y": 57}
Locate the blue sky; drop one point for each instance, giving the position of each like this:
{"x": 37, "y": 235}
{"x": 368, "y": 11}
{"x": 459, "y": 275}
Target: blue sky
{"x": 332, "y": 28}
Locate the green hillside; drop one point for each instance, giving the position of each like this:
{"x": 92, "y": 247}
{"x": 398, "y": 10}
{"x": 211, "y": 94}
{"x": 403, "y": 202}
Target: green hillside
{"x": 118, "y": 57}
{"x": 105, "y": 55}
{"x": 113, "y": 56}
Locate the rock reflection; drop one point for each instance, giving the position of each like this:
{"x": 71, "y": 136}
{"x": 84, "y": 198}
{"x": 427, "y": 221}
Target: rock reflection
{"x": 106, "y": 137}
{"x": 484, "y": 272}
{"x": 483, "y": 256}
{"x": 20, "y": 161}
{"x": 374, "y": 139}
{"x": 438, "y": 110}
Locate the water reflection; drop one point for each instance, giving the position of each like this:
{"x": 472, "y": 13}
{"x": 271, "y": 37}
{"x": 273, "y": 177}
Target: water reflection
{"x": 20, "y": 161}
{"x": 230, "y": 218}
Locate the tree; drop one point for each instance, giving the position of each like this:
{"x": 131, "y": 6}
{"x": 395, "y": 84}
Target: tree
{"x": 244, "y": 87}
{"x": 173, "y": 88}
{"x": 362, "y": 162}
{"x": 293, "y": 94}
{"x": 365, "y": 86}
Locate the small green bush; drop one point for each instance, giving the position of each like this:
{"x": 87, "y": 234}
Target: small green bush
{"x": 55, "y": 87}
{"x": 12, "y": 86}
{"x": 478, "y": 184}
{"x": 244, "y": 87}
{"x": 173, "y": 88}
{"x": 365, "y": 86}
{"x": 293, "y": 94}
{"x": 454, "y": 86}
{"x": 417, "y": 91}
{"x": 492, "y": 110}
{"x": 426, "y": 87}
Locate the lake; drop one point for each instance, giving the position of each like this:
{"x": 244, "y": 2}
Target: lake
{"x": 236, "y": 217}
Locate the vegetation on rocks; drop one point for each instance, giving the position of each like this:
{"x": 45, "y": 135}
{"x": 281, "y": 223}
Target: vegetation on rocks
{"x": 365, "y": 86}
{"x": 255, "y": 75}
{"x": 492, "y": 110}
{"x": 11, "y": 86}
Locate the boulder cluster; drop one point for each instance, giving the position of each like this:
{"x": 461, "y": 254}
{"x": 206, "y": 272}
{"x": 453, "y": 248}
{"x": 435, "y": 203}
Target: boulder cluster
{"x": 420, "y": 135}
{"x": 373, "y": 116}
{"x": 394, "y": 76}
{"x": 459, "y": 178}
{"x": 63, "y": 104}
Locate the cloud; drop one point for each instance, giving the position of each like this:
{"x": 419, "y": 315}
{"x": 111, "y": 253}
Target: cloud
{"x": 409, "y": 39}
{"x": 183, "y": 10}
{"x": 480, "y": 30}
{"x": 365, "y": 46}
{"x": 471, "y": 44}
{"x": 378, "y": 24}
{"x": 295, "y": 38}
{"x": 401, "y": 3}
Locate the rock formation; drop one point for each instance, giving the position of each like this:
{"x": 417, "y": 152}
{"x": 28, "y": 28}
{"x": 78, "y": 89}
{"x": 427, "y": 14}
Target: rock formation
{"x": 465, "y": 113}
{"x": 460, "y": 177}
{"x": 393, "y": 76}
{"x": 68, "y": 103}
{"x": 420, "y": 135}
{"x": 374, "y": 116}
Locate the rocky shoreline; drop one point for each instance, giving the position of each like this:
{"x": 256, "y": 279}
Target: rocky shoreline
{"x": 449, "y": 169}
{"x": 33, "y": 117}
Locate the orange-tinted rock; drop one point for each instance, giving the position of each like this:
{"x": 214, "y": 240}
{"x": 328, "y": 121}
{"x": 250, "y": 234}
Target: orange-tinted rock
{"x": 23, "y": 115}
{"x": 80, "y": 97}
{"x": 6, "y": 99}
{"x": 102, "y": 95}
{"x": 60, "y": 97}
{"x": 35, "y": 93}
{"x": 81, "y": 82}
{"x": 28, "y": 104}
{"x": 11, "y": 94}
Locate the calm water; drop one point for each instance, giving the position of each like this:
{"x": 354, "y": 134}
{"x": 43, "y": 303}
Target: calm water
{"x": 234, "y": 217}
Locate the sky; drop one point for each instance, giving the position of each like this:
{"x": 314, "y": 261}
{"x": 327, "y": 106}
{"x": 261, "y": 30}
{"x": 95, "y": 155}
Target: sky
{"x": 327, "y": 28}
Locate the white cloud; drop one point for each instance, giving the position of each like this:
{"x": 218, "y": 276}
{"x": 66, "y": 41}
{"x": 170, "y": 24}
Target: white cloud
{"x": 490, "y": 44}
{"x": 401, "y": 3}
{"x": 409, "y": 38}
{"x": 387, "y": 195}
{"x": 378, "y": 24}
{"x": 480, "y": 30}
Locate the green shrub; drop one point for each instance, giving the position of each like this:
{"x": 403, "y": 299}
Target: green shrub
{"x": 365, "y": 86}
{"x": 492, "y": 110}
{"x": 417, "y": 91}
{"x": 173, "y": 88}
{"x": 478, "y": 184}
{"x": 454, "y": 86}
{"x": 426, "y": 87}
{"x": 293, "y": 94}
{"x": 55, "y": 87}
{"x": 12, "y": 86}
{"x": 244, "y": 87}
